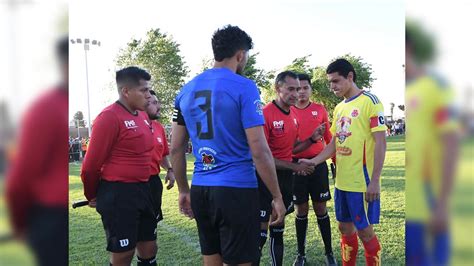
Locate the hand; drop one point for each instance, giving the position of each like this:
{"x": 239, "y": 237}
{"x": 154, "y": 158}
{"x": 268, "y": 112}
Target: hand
{"x": 278, "y": 211}
{"x": 307, "y": 161}
{"x": 184, "y": 200}
{"x": 169, "y": 178}
{"x": 92, "y": 203}
{"x": 373, "y": 191}
{"x": 439, "y": 220}
{"x": 318, "y": 132}
{"x": 303, "y": 169}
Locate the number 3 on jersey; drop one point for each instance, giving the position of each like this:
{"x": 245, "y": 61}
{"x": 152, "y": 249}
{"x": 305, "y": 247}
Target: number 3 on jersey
{"x": 206, "y": 107}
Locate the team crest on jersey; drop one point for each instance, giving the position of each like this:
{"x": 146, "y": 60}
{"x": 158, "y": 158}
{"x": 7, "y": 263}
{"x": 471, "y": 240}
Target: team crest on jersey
{"x": 159, "y": 140}
{"x": 342, "y": 132}
{"x": 259, "y": 106}
{"x": 314, "y": 113}
{"x": 355, "y": 113}
{"x": 208, "y": 158}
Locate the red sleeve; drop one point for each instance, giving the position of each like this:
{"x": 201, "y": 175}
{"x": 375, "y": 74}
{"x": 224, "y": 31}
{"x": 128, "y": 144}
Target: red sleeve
{"x": 104, "y": 135}
{"x": 37, "y": 135}
{"x": 166, "y": 150}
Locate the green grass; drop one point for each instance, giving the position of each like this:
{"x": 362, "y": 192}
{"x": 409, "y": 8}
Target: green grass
{"x": 178, "y": 240}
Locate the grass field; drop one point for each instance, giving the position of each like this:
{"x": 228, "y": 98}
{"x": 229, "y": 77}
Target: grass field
{"x": 178, "y": 240}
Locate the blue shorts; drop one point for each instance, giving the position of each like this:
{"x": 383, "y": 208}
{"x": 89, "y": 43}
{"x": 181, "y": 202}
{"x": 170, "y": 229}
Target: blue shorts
{"x": 352, "y": 207}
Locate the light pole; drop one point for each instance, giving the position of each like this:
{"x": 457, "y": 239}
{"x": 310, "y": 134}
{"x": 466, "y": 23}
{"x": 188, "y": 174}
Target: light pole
{"x": 87, "y": 44}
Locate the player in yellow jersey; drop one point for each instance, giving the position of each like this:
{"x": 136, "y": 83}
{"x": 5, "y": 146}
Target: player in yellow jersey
{"x": 359, "y": 142}
{"x": 431, "y": 154}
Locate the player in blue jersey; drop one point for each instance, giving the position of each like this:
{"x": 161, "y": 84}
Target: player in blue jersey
{"x": 222, "y": 113}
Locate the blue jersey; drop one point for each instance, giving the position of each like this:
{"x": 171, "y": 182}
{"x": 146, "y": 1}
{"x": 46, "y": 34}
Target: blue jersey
{"x": 217, "y": 106}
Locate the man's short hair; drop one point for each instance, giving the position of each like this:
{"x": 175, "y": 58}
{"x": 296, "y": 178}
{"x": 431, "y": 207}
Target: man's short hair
{"x": 152, "y": 92}
{"x": 280, "y": 78}
{"x": 228, "y": 40}
{"x": 343, "y": 67}
{"x": 131, "y": 76}
{"x": 303, "y": 76}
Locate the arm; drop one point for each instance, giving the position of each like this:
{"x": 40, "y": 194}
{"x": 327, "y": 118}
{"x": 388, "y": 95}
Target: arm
{"x": 327, "y": 153}
{"x": 179, "y": 141}
{"x": 373, "y": 190}
{"x": 303, "y": 145}
{"x": 262, "y": 158}
{"x": 104, "y": 135}
{"x": 169, "y": 178}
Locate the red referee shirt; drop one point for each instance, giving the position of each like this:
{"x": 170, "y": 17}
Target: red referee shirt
{"x": 119, "y": 150}
{"x": 39, "y": 170}
{"x": 281, "y": 130}
{"x": 310, "y": 118}
{"x": 161, "y": 147}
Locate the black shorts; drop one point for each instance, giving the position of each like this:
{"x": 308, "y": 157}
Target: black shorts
{"x": 227, "y": 222}
{"x": 156, "y": 187}
{"x": 127, "y": 214}
{"x": 285, "y": 182}
{"x": 316, "y": 185}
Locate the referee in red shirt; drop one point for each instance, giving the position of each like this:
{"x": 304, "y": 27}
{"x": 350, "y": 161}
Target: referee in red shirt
{"x": 116, "y": 171}
{"x": 311, "y": 115}
{"x": 159, "y": 156}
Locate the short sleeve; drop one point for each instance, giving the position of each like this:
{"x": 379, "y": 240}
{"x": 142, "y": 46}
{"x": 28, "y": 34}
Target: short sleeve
{"x": 251, "y": 112}
{"x": 376, "y": 116}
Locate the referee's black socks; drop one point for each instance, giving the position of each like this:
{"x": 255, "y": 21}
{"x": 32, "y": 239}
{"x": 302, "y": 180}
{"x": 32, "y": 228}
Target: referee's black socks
{"x": 324, "y": 225}
{"x": 301, "y": 224}
{"x": 145, "y": 262}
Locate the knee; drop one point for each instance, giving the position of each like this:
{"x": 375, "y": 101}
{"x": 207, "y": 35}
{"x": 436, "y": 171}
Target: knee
{"x": 302, "y": 209}
{"x": 320, "y": 208}
{"x": 346, "y": 228}
{"x": 147, "y": 249}
{"x": 366, "y": 234}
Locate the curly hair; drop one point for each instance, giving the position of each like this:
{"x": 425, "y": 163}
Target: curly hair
{"x": 228, "y": 40}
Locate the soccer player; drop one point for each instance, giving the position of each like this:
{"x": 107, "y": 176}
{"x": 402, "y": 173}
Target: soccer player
{"x": 222, "y": 113}
{"x": 432, "y": 146}
{"x": 311, "y": 115}
{"x": 159, "y": 155}
{"x": 116, "y": 171}
{"x": 282, "y": 134}
{"x": 36, "y": 185}
{"x": 359, "y": 143}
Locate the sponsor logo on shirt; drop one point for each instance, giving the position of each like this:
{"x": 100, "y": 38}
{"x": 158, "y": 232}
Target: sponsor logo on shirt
{"x": 279, "y": 127}
{"x": 342, "y": 133}
{"x": 344, "y": 151}
{"x": 324, "y": 195}
{"x": 130, "y": 124}
{"x": 159, "y": 140}
{"x": 259, "y": 106}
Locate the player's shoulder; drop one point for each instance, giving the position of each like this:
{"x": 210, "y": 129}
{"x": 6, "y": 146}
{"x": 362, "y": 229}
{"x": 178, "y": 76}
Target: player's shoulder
{"x": 318, "y": 107}
{"x": 110, "y": 112}
{"x": 370, "y": 97}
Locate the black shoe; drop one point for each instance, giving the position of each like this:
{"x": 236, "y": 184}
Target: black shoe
{"x": 330, "y": 260}
{"x": 299, "y": 261}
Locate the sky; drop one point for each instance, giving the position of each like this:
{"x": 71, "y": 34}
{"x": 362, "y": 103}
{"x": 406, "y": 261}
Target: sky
{"x": 281, "y": 31}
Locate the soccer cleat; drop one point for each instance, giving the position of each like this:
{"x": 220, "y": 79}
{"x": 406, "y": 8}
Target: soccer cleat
{"x": 299, "y": 261}
{"x": 330, "y": 260}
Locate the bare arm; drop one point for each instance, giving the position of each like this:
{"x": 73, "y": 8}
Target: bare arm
{"x": 450, "y": 142}
{"x": 179, "y": 141}
{"x": 165, "y": 163}
{"x": 379, "y": 154}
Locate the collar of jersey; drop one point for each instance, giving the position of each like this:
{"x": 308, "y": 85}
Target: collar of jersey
{"x": 283, "y": 111}
{"x": 119, "y": 103}
{"x": 354, "y": 97}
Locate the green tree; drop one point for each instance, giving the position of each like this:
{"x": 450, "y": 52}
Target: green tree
{"x": 301, "y": 65}
{"x": 159, "y": 54}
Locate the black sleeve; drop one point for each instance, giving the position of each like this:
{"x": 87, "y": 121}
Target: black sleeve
{"x": 178, "y": 117}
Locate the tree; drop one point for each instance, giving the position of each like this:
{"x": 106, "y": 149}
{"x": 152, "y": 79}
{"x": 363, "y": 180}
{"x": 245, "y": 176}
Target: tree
{"x": 79, "y": 119}
{"x": 301, "y": 65}
{"x": 159, "y": 54}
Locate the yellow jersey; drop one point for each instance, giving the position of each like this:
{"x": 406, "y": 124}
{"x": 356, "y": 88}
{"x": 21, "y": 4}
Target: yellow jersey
{"x": 429, "y": 113}
{"x": 355, "y": 119}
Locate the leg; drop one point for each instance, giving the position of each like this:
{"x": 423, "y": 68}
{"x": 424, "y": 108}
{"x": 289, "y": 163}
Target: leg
{"x": 371, "y": 244}
{"x": 349, "y": 243}
{"x": 212, "y": 260}
{"x": 265, "y": 203}
{"x": 301, "y": 224}
{"x": 122, "y": 258}
{"x": 146, "y": 252}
